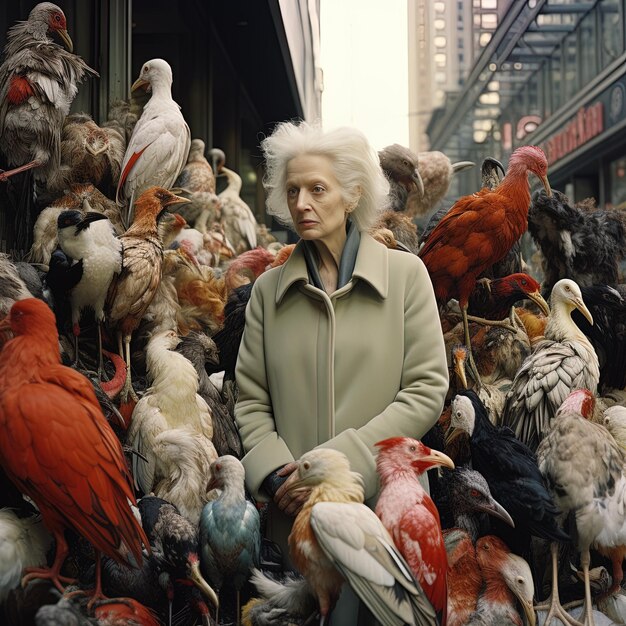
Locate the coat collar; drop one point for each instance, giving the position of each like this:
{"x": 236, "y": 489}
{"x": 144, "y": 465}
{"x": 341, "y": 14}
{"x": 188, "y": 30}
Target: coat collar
{"x": 371, "y": 267}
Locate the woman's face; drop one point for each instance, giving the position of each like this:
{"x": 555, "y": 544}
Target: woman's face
{"x": 315, "y": 201}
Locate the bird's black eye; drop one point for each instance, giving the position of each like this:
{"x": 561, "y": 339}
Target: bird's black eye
{"x": 306, "y": 465}
{"x": 520, "y": 580}
{"x": 486, "y": 546}
{"x": 406, "y": 163}
{"x": 458, "y": 413}
{"x": 566, "y": 287}
{"x": 57, "y": 18}
{"x": 412, "y": 448}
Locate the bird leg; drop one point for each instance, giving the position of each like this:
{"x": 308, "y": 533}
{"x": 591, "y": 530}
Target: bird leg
{"x": 100, "y": 357}
{"x": 127, "y": 391}
{"x": 585, "y": 559}
{"x": 4, "y": 176}
{"x": 468, "y": 344}
{"x": 556, "y": 610}
{"x": 508, "y": 324}
{"x": 53, "y": 573}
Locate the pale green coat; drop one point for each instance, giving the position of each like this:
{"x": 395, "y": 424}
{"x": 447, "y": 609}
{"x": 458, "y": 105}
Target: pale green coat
{"x": 342, "y": 371}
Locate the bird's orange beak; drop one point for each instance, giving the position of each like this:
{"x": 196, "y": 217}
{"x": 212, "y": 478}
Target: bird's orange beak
{"x": 139, "y": 83}
{"x": 66, "y": 39}
{"x": 537, "y": 298}
{"x": 458, "y": 357}
{"x": 546, "y": 185}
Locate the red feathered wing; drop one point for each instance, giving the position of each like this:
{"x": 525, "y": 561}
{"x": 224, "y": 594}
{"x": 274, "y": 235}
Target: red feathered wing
{"x": 419, "y": 539}
{"x": 59, "y": 450}
{"x": 474, "y": 234}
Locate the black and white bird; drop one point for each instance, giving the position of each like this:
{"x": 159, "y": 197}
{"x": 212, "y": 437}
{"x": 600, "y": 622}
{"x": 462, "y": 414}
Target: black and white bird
{"x": 89, "y": 239}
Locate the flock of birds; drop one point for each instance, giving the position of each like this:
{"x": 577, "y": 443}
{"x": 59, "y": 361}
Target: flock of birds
{"x": 123, "y": 498}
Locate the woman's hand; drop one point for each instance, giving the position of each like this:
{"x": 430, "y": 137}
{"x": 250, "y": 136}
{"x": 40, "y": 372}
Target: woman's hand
{"x": 290, "y": 503}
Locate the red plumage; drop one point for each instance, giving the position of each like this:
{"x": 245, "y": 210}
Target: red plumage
{"x": 480, "y": 229}
{"x": 19, "y": 90}
{"x": 57, "y": 446}
{"x": 125, "y": 612}
{"x": 410, "y": 515}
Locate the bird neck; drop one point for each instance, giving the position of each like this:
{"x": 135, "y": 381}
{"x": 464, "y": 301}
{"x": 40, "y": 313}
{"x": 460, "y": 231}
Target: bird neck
{"x": 561, "y": 326}
{"x": 26, "y": 354}
{"x": 468, "y": 522}
{"x": 515, "y": 186}
{"x": 496, "y": 594}
{"x": 143, "y": 226}
{"x": 390, "y": 471}
{"x": 328, "y": 492}
{"x": 161, "y": 90}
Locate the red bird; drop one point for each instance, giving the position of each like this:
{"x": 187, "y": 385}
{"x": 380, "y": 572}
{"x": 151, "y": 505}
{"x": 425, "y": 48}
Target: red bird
{"x": 124, "y": 612}
{"x": 410, "y": 515}
{"x": 480, "y": 229}
{"x": 57, "y": 447}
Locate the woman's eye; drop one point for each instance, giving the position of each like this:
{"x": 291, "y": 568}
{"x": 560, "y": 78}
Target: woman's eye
{"x": 292, "y": 192}
{"x": 318, "y": 189}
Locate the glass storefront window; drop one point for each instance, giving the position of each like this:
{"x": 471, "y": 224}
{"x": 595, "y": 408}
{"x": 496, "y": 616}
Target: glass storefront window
{"x": 555, "y": 79}
{"x": 570, "y": 85}
{"x": 618, "y": 183}
{"x": 612, "y": 39}
{"x": 588, "y": 47}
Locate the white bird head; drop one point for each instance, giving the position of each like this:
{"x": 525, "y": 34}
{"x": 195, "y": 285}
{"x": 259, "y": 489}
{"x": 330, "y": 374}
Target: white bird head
{"x": 463, "y": 414}
{"x": 156, "y": 71}
{"x": 226, "y": 470}
{"x": 518, "y": 578}
{"x": 566, "y": 295}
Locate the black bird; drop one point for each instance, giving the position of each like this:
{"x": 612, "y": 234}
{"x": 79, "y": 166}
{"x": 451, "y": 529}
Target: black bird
{"x": 471, "y": 501}
{"x": 577, "y": 241}
{"x": 510, "y": 469}
{"x": 400, "y": 167}
{"x": 174, "y": 542}
{"x": 607, "y": 334}
{"x": 228, "y": 340}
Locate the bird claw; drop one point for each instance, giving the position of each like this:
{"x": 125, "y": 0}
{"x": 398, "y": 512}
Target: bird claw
{"x": 35, "y": 573}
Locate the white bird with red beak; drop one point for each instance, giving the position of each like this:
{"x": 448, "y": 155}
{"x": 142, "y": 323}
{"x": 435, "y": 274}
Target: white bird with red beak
{"x": 158, "y": 148}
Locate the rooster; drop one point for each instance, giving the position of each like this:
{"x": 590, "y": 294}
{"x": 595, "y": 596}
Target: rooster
{"x": 479, "y": 230}
{"x": 578, "y": 241}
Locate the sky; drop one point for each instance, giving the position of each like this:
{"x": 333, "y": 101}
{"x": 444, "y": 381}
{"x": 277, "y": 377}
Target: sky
{"x": 363, "y": 49}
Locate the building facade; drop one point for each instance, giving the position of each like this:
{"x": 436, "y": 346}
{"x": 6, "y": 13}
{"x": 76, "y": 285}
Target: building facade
{"x": 553, "y": 75}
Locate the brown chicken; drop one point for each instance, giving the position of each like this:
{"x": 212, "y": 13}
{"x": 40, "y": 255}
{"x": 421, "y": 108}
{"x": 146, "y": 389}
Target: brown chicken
{"x": 402, "y": 227}
{"x": 479, "y": 230}
{"x": 142, "y": 254}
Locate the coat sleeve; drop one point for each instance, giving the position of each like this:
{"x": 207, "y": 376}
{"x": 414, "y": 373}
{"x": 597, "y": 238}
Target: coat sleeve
{"x": 424, "y": 384}
{"x": 265, "y": 451}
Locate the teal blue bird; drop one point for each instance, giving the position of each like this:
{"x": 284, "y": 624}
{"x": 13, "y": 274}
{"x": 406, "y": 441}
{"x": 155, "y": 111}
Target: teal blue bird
{"x": 230, "y": 533}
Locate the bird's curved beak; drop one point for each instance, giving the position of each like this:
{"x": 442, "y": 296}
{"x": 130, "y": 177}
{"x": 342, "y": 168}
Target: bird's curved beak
{"x": 527, "y": 605}
{"x": 436, "y": 458}
{"x": 195, "y": 576}
{"x": 580, "y": 305}
{"x": 495, "y": 509}
{"x": 416, "y": 177}
{"x": 66, "y": 39}
{"x": 176, "y": 200}
{"x": 139, "y": 84}
{"x": 538, "y": 299}
{"x": 452, "y": 434}
{"x": 490, "y": 164}
{"x": 546, "y": 185}
{"x": 460, "y": 166}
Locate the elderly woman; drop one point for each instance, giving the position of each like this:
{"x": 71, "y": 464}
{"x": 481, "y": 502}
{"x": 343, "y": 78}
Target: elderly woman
{"x": 342, "y": 345}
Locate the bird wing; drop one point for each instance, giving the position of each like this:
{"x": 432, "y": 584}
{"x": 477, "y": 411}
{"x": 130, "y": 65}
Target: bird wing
{"x": 146, "y": 424}
{"x": 65, "y": 456}
{"x": 356, "y": 542}
{"x": 472, "y": 236}
{"x": 132, "y": 290}
{"x": 156, "y": 151}
{"x": 540, "y": 386}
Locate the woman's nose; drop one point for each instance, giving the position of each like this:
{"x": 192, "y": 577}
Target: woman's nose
{"x": 303, "y": 200}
